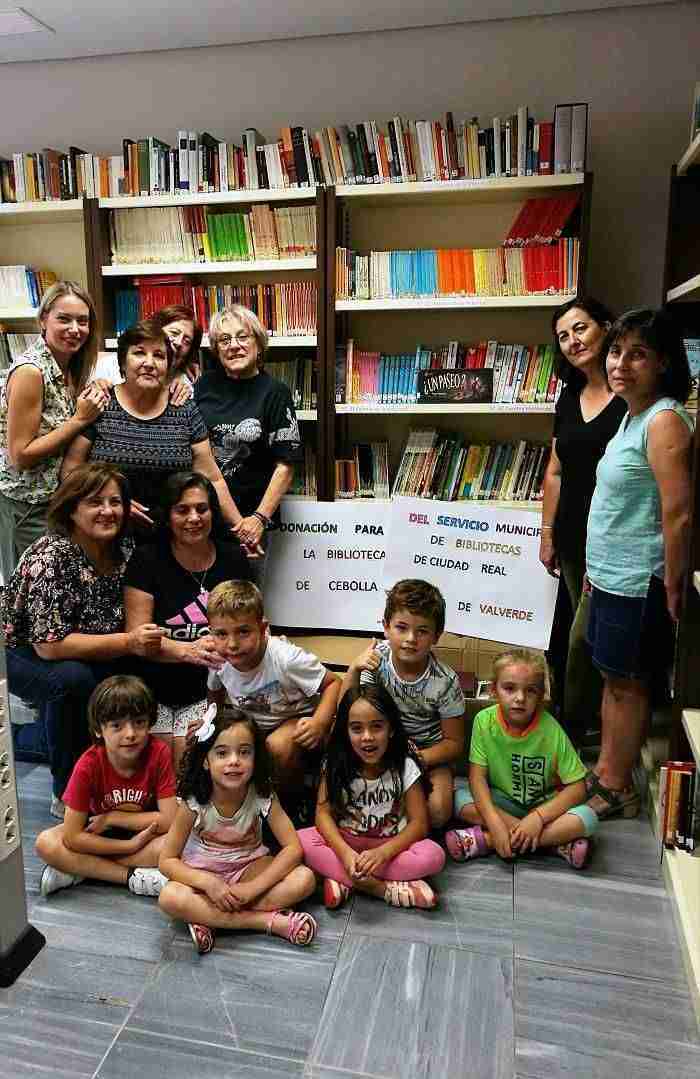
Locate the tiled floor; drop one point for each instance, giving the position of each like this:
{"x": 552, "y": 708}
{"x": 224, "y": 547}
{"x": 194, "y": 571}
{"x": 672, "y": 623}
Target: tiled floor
{"x": 532, "y": 971}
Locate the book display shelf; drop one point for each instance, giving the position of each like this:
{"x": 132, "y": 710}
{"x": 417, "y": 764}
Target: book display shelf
{"x": 681, "y": 292}
{"x": 461, "y": 213}
{"x": 107, "y": 277}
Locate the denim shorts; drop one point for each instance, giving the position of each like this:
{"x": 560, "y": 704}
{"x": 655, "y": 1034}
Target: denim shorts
{"x": 631, "y": 636}
{"x": 464, "y": 797}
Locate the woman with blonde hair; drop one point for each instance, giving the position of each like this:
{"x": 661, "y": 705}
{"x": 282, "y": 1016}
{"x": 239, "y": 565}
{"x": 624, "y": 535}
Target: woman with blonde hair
{"x": 251, "y": 422}
{"x": 45, "y": 401}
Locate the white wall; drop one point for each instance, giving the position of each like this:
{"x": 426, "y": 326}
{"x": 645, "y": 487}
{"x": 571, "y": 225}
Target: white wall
{"x": 635, "y": 66}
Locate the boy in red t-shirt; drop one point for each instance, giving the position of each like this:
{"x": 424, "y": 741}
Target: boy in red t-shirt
{"x": 120, "y": 798}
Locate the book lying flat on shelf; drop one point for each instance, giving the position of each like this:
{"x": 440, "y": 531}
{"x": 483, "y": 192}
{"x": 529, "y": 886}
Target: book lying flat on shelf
{"x": 22, "y": 286}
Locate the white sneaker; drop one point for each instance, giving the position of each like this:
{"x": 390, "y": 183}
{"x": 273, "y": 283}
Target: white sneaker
{"x": 52, "y": 880}
{"x": 146, "y": 882}
{"x": 57, "y": 808}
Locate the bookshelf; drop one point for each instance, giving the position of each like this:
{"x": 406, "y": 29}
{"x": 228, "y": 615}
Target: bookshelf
{"x": 107, "y": 277}
{"x": 458, "y": 213}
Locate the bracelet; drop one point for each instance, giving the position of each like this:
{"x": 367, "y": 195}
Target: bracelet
{"x": 546, "y": 528}
{"x": 544, "y": 822}
{"x": 264, "y": 521}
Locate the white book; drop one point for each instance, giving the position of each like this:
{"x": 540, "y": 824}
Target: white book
{"x": 309, "y": 159}
{"x": 183, "y": 159}
{"x": 497, "y": 169}
{"x": 579, "y": 131}
{"x": 20, "y": 187}
{"x": 193, "y": 162}
{"x": 522, "y": 140}
{"x": 562, "y": 139}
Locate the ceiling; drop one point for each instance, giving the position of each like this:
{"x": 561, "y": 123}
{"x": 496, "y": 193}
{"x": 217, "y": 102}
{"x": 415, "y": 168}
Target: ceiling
{"x": 80, "y": 28}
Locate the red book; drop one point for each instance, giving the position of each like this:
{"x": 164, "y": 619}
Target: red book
{"x": 545, "y": 164}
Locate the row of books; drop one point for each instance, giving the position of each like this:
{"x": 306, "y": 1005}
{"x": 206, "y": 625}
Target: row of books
{"x": 286, "y": 309}
{"x": 23, "y": 286}
{"x": 304, "y": 481}
{"x": 300, "y": 375}
{"x": 365, "y": 474}
{"x": 201, "y": 234}
{"x": 542, "y": 220}
{"x": 492, "y": 271}
{"x": 13, "y": 345}
{"x": 522, "y": 374}
{"x": 436, "y": 464}
{"x": 397, "y": 151}
{"x": 678, "y": 819}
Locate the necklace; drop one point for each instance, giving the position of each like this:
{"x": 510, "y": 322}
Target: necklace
{"x": 199, "y": 581}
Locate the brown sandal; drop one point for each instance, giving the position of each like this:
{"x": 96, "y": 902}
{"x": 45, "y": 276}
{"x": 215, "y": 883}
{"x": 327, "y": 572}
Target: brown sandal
{"x": 606, "y": 802}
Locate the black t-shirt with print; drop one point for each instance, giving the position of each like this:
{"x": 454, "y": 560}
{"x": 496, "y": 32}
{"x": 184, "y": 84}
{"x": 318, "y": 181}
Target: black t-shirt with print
{"x": 252, "y": 426}
{"x": 180, "y": 608}
{"x": 580, "y": 446}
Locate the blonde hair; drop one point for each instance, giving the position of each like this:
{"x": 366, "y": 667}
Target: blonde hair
{"x": 231, "y": 599}
{"x": 82, "y": 363}
{"x": 251, "y": 322}
{"x": 526, "y": 656}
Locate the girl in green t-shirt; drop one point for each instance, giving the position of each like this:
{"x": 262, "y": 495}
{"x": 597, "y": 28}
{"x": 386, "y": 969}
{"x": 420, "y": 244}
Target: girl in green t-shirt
{"x": 526, "y": 782}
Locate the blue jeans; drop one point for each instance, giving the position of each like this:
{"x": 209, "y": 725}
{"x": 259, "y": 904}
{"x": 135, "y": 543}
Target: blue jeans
{"x": 61, "y": 690}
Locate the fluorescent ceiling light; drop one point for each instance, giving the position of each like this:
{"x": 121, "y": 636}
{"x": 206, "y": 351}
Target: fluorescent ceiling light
{"x": 17, "y": 21}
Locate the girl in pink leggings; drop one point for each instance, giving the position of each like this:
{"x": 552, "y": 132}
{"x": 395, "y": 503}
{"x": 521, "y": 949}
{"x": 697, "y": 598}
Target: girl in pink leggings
{"x": 372, "y": 813}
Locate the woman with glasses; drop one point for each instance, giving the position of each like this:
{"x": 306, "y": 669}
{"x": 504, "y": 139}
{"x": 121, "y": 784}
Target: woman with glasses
{"x": 251, "y": 422}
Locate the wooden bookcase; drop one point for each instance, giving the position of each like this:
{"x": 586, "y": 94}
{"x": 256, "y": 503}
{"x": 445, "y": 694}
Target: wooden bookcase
{"x": 681, "y": 293}
{"x": 105, "y": 278}
{"x": 48, "y": 236}
{"x": 426, "y": 215}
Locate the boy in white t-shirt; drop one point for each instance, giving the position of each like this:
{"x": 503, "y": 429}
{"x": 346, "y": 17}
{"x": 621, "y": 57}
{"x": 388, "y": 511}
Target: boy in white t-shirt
{"x": 286, "y": 691}
{"x": 426, "y": 691}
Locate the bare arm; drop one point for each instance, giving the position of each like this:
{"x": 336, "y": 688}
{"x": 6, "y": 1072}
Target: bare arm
{"x": 550, "y": 505}
{"x": 170, "y": 861}
{"x": 162, "y": 818}
{"x": 368, "y": 660}
{"x": 144, "y": 641}
{"x": 138, "y": 611}
{"x": 25, "y": 447}
{"x": 451, "y": 748}
{"x": 76, "y": 455}
{"x": 325, "y": 822}
{"x": 311, "y": 730}
{"x": 280, "y": 482}
{"x": 77, "y": 838}
{"x": 478, "y": 783}
{"x": 668, "y": 451}
{"x": 289, "y": 856}
{"x": 203, "y": 461}
{"x": 527, "y": 833}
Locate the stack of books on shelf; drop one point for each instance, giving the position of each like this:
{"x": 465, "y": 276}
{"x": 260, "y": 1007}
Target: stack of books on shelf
{"x": 22, "y": 286}
{"x": 46, "y": 176}
{"x": 365, "y": 474}
{"x": 202, "y": 234}
{"x": 13, "y": 345}
{"x": 286, "y": 309}
{"x": 678, "y": 811}
{"x": 535, "y": 257}
{"x": 439, "y": 465}
{"x": 300, "y": 375}
{"x": 304, "y": 482}
{"x": 522, "y": 374}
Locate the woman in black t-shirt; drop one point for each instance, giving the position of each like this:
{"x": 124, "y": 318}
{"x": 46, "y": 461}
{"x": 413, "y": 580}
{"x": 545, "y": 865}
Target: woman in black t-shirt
{"x": 251, "y": 422}
{"x": 587, "y": 415}
{"x": 168, "y": 583}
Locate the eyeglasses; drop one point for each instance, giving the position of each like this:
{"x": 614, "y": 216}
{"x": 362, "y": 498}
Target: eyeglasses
{"x": 226, "y": 340}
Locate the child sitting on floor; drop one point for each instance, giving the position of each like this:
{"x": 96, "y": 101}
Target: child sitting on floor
{"x": 120, "y": 799}
{"x": 372, "y": 816}
{"x": 526, "y": 782}
{"x": 221, "y": 874}
{"x": 287, "y": 692}
{"x": 426, "y": 691}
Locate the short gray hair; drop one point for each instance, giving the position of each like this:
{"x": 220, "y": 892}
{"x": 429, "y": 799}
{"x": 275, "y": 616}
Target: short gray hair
{"x": 249, "y": 319}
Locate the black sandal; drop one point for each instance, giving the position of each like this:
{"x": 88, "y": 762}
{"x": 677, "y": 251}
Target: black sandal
{"x": 627, "y": 802}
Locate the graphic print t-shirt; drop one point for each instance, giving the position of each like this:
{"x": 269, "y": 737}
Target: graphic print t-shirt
{"x": 180, "y": 608}
{"x": 253, "y": 427}
{"x": 377, "y": 806}
{"x": 96, "y": 787}
{"x": 236, "y": 839}
{"x": 423, "y": 704}
{"x": 284, "y": 686}
{"x": 530, "y": 767}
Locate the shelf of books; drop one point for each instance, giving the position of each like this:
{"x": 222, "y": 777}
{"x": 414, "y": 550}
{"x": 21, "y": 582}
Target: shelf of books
{"x": 209, "y": 198}
{"x": 437, "y": 303}
{"x": 300, "y": 341}
{"x": 36, "y": 212}
{"x": 488, "y": 189}
{"x": 249, "y": 266}
{"x": 439, "y": 410}
{"x": 687, "y": 292}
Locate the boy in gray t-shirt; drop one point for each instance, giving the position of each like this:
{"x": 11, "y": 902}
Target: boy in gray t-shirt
{"x": 426, "y": 691}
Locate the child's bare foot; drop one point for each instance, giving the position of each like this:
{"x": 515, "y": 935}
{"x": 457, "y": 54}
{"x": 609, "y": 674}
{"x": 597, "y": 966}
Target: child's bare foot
{"x": 293, "y": 925}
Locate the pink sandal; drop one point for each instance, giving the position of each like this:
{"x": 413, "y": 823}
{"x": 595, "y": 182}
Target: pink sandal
{"x": 410, "y": 893}
{"x": 577, "y": 853}
{"x": 301, "y": 927}
{"x": 202, "y": 937}
{"x": 466, "y": 843}
{"x": 335, "y": 893}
